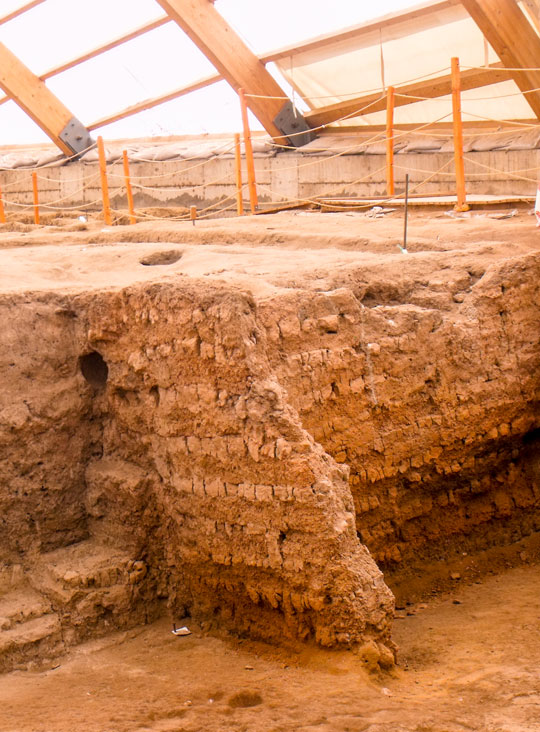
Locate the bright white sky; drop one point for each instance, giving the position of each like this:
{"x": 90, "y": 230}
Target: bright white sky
{"x": 157, "y": 62}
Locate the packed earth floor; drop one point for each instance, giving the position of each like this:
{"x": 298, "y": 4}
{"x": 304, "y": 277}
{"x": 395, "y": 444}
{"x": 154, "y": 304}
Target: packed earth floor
{"x": 316, "y": 450}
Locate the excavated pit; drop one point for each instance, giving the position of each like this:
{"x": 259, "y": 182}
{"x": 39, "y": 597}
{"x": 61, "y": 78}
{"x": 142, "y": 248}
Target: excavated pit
{"x": 252, "y": 440}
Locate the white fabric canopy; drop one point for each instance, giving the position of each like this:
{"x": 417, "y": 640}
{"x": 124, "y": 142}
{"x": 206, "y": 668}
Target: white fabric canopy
{"x": 396, "y": 52}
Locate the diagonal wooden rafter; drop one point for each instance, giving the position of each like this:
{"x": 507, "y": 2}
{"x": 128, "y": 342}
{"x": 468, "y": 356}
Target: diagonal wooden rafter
{"x": 514, "y": 40}
{"x": 532, "y": 8}
{"x": 39, "y": 103}
{"x": 238, "y": 65}
{"x": 440, "y": 86}
{"x": 20, "y": 11}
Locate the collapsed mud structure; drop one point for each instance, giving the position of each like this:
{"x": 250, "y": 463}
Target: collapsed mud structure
{"x": 248, "y": 438}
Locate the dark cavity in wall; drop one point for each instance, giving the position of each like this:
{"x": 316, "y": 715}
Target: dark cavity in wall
{"x": 94, "y": 369}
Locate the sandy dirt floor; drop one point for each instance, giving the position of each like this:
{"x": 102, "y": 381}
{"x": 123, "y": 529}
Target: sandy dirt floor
{"x": 469, "y": 659}
{"x": 82, "y": 256}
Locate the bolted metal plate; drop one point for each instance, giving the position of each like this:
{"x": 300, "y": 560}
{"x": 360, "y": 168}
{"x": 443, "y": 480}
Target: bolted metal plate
{"x": 293, "y": 126}
{"x": 76, "y": 136}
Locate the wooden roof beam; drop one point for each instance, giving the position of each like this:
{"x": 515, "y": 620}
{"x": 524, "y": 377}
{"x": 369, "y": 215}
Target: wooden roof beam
{"x": 20, "y": 11}
{"x": 532, "y": 8}
{"x": 416, "y": 92}
{"x": 514, "y": 40}
{"x": 239, "y": 66}
{"x": 519, "y": 125}
{"x": 39, "y": 103}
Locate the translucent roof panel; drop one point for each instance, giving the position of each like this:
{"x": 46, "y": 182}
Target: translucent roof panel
{"x": 416, "y": 42}
{"x": 267, "y": 26}
{"x": 58, "y": 30}
{"x": 132, "y": 72}
{"x": 397, "y": 53}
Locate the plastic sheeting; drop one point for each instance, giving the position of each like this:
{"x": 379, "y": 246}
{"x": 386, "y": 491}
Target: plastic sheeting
{"x": 395, "y": 52}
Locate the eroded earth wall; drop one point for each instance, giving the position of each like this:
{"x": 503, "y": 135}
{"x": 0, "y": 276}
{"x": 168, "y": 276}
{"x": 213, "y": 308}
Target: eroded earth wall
{"x": 184, "y": 442}
{"x": 427, "y": 387}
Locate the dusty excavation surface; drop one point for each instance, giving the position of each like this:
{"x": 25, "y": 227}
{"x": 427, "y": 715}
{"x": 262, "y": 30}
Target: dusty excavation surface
{"x": 319, "y": 452}
{"x": 467, "y": 666}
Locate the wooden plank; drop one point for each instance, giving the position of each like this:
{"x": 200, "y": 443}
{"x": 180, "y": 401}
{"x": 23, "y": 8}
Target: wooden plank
{"x": 514, "y": 40}
{"x": 429, "y": 88}
{"x": 19, "y": 11}
{"x": 368, "y": 130}
{"x": 135, "y": 33}
{"x": 431, "y": 199}
{"x": 154, "y": 101}
{"x": 32, "y": 96}
{"x": 232, "y": 58}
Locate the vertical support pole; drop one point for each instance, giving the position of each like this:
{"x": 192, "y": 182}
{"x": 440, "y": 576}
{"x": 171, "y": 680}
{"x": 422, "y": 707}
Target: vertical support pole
{"x": 129, "y": 192}
{"x": 36, "y": 197}
{"x": 253, "y": 201}
{"x": 390, "y": 101}
{"x": 461, "y": 204}
{"x": 104, "y": 183}
{"x": 406, "y": 217}
{"x": 193, "y": 214}
{"x": 238, "y": 164}
{"x": 2, "y": 211}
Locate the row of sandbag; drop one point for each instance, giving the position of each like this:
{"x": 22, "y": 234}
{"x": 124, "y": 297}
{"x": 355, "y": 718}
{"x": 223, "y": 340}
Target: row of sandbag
{"x": 474, "y": 141}
{"x": 145, "y": 152}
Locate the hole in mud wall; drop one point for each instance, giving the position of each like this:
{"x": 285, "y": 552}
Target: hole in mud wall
{"x": 532, "y": 436}
{"x": 154, "y": 393}
{"x": 169, "y": 257}
{"x": 94, "y": 369}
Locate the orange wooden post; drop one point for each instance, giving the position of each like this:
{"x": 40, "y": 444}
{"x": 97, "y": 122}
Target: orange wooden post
{"x": 2, "y": 211}
{"x": 461, "y": 204}
{"x": 238, "y": 163}
{"x": 104, "y": 183}
{"x": 253, "y": 201}
{"x": 36, "y": 197}
{"x": 129, "y": 192}
{"x": 390, "y": 101}
{"x": 193, "y": 214}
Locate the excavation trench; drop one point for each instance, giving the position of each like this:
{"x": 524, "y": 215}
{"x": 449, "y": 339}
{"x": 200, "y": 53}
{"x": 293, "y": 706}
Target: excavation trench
{"x": 188, "y": 447}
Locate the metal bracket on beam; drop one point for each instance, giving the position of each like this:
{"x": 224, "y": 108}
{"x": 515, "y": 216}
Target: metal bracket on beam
{"x": 292, "y": 124}
{"x": 76, "y": 136}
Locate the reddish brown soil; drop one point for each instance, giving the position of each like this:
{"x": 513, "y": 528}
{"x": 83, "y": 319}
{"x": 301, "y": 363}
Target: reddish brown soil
{"x": 468, "y": 660}
{"x": 467, "y": 666}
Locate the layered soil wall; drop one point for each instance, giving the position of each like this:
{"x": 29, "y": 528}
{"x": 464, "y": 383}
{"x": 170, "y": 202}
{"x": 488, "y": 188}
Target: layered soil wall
{"x": 246, "y": 459}
{"x": 428, "y": 390}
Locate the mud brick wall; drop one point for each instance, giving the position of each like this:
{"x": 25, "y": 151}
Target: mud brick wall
{"x": 253, "y": 457}
{"x": 256, "y": 521}
{"x": 428, "y": 390}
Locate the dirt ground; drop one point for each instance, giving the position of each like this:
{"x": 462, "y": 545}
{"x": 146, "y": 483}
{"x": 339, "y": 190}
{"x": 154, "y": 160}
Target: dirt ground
{"x": 72, "y": 255}
{"x": 469, "y": 660}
